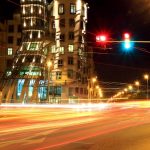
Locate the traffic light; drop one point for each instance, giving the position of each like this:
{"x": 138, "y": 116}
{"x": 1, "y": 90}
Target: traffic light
{"x": 101, "y": 38}
{"x": 127, "y": 42}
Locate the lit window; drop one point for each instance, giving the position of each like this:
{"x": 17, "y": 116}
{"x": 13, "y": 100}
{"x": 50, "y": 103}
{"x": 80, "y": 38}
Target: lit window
{"x": 61, "y": 50}
{"x": 10, "y": 51}
{"x": 8, "y": 73}
{"x": 33, "y": 46}
{"x": 70, "y": 48}
{"x": 61, "y": 9}
{"x": 72, "y": 8}
{"x": 53, "y": 49}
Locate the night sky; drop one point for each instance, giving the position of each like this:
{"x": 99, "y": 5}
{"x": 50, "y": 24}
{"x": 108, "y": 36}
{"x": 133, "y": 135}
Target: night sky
{"x": 114, "y": 17}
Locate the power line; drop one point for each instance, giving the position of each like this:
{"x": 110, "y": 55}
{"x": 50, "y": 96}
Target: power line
{"x": 13, "y": 3}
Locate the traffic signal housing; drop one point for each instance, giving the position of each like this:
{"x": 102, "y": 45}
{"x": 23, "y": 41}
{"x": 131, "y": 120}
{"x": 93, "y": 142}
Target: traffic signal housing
{"x": 127, "y": 41}
{"x": 101, "y": 38}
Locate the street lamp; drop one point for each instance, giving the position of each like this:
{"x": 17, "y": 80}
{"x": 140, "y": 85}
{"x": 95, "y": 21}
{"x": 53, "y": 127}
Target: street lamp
{"x": 146, "y": 77}
{"x": 130, "y": 87}
{"x": 49, "y": 65}
{"x": 125, "y": 90}
{"x": 100, "y": 93}
{"x": 94, "y": 79}
{"x": 137, "y": 83}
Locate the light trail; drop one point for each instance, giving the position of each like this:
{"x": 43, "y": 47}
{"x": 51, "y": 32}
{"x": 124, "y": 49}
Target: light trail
{"x": 92, "y": 135}
{"x": 47, "y": 128}
{"x": 71, "y": 106}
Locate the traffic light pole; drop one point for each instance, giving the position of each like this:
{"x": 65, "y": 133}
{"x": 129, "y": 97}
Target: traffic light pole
{"x": 130, "y": 41}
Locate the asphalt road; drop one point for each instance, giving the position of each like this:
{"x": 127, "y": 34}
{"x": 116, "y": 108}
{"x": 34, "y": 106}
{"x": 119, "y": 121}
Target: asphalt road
{"x": 123, "y": 126}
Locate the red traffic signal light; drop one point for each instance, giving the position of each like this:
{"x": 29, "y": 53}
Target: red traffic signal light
{"x": 101, "y": 38}
{"x": 126, "y": 36}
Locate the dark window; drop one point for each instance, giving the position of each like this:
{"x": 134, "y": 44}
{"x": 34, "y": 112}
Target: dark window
{"x": 58, "y": 75}
{"x": 62, "y": 37}
{"x": 80, "y": 38}
{"x": 19, "y": 28}
{"x": 70, "y": 91}
{"x": 10, "y": 28}
{"x": 77, "y": 90}
{"x": 81, "y": 25}
{"x": 62, "y": 23}
{"x": 85, "y": 91}
{"x": 83, "y": 81}
{"x": 71, "y": 22}
{"x": 70, "y": 73}
{"x": 10, "y": 39}
{"x": 53, "y": 24}
{"x": 71, "y": 35}
{"x": 81, "y": 90}
{"x": 18, "y": 41}
{"x": 58, "y": 90}
{"x": 9, "y": 63}
{"x": 60, "y": 63}
{"x": 70, "y": 60}
{"x": 53, "y": 35}
{"x": 72, "y": 8}
{"x": 61, "y": 9}
{"x": 55, "y": 90}
{"x": 79, "y": 64}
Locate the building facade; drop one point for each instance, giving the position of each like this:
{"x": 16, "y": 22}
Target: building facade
{"x": 67, "y": 26}
{"x": 10, "y": 39}
{"x": 52, "y": 64}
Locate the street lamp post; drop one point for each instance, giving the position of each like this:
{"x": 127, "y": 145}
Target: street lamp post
{"x": 93, "y": 81}
{"x": 146, "y": 77}
{"x": 49, "y": 64}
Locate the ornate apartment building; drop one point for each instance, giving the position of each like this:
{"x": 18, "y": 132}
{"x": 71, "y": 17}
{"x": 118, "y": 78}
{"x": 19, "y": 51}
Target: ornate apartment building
{"x": 52, "y": 63}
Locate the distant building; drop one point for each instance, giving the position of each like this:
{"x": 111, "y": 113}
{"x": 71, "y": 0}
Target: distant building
{"x": 10, "y": 39}
{"x": 54, "y": 33}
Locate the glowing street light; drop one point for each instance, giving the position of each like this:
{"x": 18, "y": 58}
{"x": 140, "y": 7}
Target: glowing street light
{"x": 97, "y": 87}
{"x": 49, "y": 64}
{"x": 94, "y": 80}
{"x": 146, "y": 77}
{"x": 126, "y": 90}
{"x": 130, "y": 87}
{"x": 100, "y": 93}
{"x": 137, "y": 83}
